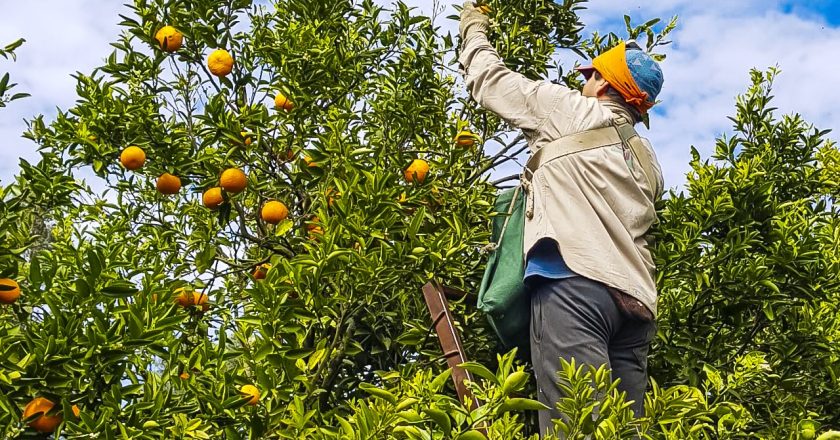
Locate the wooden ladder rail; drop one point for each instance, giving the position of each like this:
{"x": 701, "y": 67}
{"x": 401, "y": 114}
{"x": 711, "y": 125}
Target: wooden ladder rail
{"x": 450, "y": 340}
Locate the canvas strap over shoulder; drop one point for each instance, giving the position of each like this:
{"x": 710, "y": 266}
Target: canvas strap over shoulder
{"x": 620, "y": 132}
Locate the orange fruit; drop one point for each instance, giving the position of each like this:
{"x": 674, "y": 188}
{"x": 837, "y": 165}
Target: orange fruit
{"x": 314, "y": 228}
{"x": 246, "y": 139}
{"x": 309, "y": 161}
{"x": 43, "y": 423}
{"x": 330, "y": 193}
{"x": 233, "y": 180}
{"x": 76, "y": 410}
{"x": 274, "y": 212}
{"x": 465, "y": 139}
{"x": 220, "y": 62}
{"x": 261, "y": 271}
{"x": 281, "y": 101}
{"x": 184, "y": 375}
{"x": 212, "y": 198}
{"x": 168, "y": 184}
{"x": 169, "y": 38}
{"x": 188, "y": 298}
{"x": 10, "y": 291}
{"x": 252, "y": 392}
{"x": 183, "y": 297}
{"x": 133, "y": 158}
{"x": 200, "y": 299}
{"x": 417, "y": 171}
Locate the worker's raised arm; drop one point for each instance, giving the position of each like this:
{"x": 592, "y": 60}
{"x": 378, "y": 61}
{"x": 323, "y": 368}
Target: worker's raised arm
{"x": 522, "y": 102}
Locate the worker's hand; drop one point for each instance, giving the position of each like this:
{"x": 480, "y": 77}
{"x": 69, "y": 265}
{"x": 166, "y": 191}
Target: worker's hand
{"x": 473, "y": 20}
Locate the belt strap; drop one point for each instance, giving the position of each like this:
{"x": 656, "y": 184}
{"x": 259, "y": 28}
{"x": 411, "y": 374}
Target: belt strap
{"x": 620, "y": 132}
{"x": 573, "y": 143}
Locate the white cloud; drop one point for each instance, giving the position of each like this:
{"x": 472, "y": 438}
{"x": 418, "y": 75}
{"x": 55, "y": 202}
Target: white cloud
{"x": 715, "y": 45}
{"x": 62, "y": 37}
{"x": 709, "y": 65}
{"x": 599, "y": 11}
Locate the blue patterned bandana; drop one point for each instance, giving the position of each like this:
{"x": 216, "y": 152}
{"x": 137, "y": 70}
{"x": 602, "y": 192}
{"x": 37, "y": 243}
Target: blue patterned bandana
{"x": 645, "y": 71}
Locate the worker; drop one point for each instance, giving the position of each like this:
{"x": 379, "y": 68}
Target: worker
{"x": 588, "y": 267}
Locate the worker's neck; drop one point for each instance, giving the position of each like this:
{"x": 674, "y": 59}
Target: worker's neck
{"x": 616, "y": 108}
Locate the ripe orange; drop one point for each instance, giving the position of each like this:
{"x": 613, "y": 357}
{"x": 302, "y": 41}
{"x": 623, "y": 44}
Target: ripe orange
{"x": 220, "y": 62}
{"x": 416, "y": 172}
{"x": 184, "y": 375}
{"x": 246, "y": 139}
{"x": 212, "y": 198}
{"x": 309, "y": 161}
{"x": 313, "y": 228}
{"x": 43, "y": 423}
{"x": 465, "y": 139}
{"x": 168, "y": 184}
{"x": 261, "y": 271}
{"x": 281, "y": 101}
{"x": 183, "y": 296}
{"x": 274, "y": 212}
{"x": 330, "y": 193}
{"x": 186, "y": 297}
{"x": 133, "y": 158}
{"x": 11, "y": 295}
{"x": 76, "y": 410}
{"x": 233, "y": 180}
{"x": 200, "y": 299}
{"x": 252, "y": 392}
{"x": 169, "y": 38}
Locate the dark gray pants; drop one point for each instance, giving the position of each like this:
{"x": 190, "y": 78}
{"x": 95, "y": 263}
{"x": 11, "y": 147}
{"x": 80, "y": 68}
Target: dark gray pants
{"x": 577, "y": 318}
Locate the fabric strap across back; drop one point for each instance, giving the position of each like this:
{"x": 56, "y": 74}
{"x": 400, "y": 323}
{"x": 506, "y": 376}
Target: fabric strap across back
{"x": 620, "y": 132}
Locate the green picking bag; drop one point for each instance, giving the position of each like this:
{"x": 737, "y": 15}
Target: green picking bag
{"x": 502, "y": 295}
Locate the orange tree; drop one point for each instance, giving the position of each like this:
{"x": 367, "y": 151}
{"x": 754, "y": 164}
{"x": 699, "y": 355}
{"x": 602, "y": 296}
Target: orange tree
{"x": 8, "y": 52}
{"x": 280, "y": 182}
{"x": 142, "y": 309}
{"x": 749, "y": 272}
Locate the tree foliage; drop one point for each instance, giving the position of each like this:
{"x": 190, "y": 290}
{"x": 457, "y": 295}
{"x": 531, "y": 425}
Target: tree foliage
{"x": 336, "y": 337}
{"x": 748, "y": 268}
{"x": 8, "y": 52}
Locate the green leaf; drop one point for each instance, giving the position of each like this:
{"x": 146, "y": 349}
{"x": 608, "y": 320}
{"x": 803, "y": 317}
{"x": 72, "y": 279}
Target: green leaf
{"x": 440, "y": 380}
{"x": 298, "y": 353}
{"x": 480, "y": 370}
{"x": 514, "y": 382}
{"x": 472, "y": 434}
{"x": 378, "y": 392}
{"x": 119, "y": 290}
{"x": 205, "y": 258}
{"x": 521, "y": 404}
{"x": 441, "y": 419}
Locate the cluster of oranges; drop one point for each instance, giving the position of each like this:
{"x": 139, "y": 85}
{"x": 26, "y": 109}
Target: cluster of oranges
{"x": 220, "y": 63}
{"x": 45, "y": 419}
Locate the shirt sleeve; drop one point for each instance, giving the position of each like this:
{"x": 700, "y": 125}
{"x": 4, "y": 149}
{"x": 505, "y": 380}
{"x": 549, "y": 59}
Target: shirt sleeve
{"x": 521, "y": 102}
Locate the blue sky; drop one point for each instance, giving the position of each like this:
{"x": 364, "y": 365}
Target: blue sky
{"x": 715, "y": 45}
{"x": 828, "y": 10}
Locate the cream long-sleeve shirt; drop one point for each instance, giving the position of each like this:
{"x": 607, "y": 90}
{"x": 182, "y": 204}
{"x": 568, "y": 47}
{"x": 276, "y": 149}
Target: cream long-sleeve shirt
{"x": 596, "y": 204}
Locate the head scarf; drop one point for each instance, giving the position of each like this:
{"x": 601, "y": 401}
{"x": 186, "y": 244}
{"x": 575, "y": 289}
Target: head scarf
{"x": 612, "y": 65}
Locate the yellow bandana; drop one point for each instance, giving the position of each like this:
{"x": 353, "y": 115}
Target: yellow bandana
{"x": 612, "y": 65}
